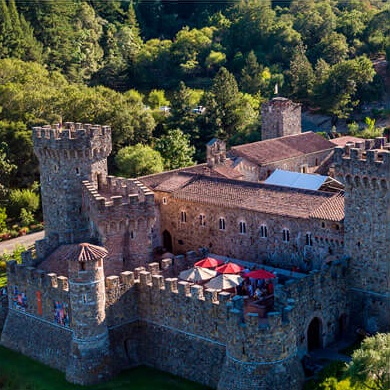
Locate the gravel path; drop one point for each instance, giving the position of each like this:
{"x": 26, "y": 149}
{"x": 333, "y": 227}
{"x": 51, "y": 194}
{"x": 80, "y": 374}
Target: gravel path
{"x": 26, "y": 241}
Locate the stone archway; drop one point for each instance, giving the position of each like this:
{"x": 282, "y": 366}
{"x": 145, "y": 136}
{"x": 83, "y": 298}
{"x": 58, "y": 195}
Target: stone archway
{"x": 314, "y": 334}
{"x": 167, "y": 241}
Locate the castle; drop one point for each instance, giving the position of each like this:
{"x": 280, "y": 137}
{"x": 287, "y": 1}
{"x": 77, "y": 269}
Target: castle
{"x": 93, "y": 300}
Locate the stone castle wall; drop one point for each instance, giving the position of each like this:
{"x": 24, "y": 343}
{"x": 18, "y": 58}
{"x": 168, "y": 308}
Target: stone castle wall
{"x": 66, "y": 157}
{"x": 327, "y": 235}
{"x": 366, "y": 175}
{"x": 280, "y": 117}
{"x": 122, "y": 218}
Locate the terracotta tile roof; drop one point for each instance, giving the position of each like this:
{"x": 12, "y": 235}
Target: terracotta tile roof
{"x": 341, "y": 141}
{"x": 227, "y": 170}
{"x": 222, "y": 170}
{"x": 332, "y": 209}
{"x": 58, "y": 260}
{"x": 173, "y": 183}
{"x": 84, "y": 252}
{"x": 276, "y": 149}
{"x": 255, "y": 196}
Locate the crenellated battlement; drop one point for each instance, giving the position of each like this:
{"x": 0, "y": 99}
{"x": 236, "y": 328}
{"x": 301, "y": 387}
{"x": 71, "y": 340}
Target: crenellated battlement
{"x": 117, "y": 192}
{"x": 71, "y": 131}
{"x": 23, "y": 275}
{"x": 363, "y": 158}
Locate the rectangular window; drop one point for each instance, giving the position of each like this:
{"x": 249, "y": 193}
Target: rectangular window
{"x": 263, "y": 231}
{"x": 165, "y": 200}
{"x": 286, "y": 235}
{"x": 242, "y": 227}
{"x": 202, "y": 220}
{"x": 309, "y": 239}
{"x": 183, "y": 216}
{"x": 222, "y": 224}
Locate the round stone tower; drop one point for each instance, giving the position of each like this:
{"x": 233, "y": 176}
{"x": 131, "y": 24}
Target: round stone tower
{"x": 89, "y": 360}
{"x": 280, "y": 117}
{"x": 67, "y": 156}
{"x": 261, "y": 353}
{"x": 364, "y": 168}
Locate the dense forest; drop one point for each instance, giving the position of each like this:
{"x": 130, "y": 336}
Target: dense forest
{"x": 170, "y": 75}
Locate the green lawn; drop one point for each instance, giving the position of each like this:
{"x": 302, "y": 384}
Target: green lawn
{"x": 18, "y": 372}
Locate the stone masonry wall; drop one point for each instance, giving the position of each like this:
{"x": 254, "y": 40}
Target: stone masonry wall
{"x": 280, "y": 117}
{"x": 66, "y": 157}
{"x": 327, "y": 236}
{"x": 122, "y": 217}
{"x": 321, "y": 294}
{"x": 366, "y": 175}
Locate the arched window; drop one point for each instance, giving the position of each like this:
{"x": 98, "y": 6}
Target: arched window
{"x": 263, "y": 231}
{"x": 222, "y": 223}
{"x": 309, "y": 239}
{"x": 286, "y": 235}
{"x": 183, "y": 216}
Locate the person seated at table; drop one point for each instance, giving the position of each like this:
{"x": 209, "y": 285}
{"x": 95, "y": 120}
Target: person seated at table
{"x": 258, "y": 293}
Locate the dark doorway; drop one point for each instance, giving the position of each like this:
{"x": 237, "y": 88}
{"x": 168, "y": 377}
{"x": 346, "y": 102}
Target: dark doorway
{"x": 342, "y": 326}
{"x": 314, "y": 334}
{"x": 167, "y": 241}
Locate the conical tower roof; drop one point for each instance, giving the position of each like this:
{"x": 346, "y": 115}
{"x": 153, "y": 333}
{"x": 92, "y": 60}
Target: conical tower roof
{"x": 84, "y": 252}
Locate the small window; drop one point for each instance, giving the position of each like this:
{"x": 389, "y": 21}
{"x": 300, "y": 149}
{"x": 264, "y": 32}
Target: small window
{"x": 263, "y": 231}
{"x": 323, "y": 225}
{"x": 82, "y": 266}
{"x": 309, "y": 239}
{"x": 286, "y": 235}
{"x": 77, "y": 171}
{"x": 132, "y": 234}
{"x": 183, "y": 216}
{"x": 202, "y": 220}
{"x": 242, "y": 227}
{"x": 222, "y": 224}
{"x": 84, "y": 297}
{"x": 180, "y": 242}
{"x": 165, "y": 200}
{"x": 55, "y": 168}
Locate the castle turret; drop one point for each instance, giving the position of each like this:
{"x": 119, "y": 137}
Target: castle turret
{"x": 366, "y": 175}
{"x": 67, "y": 156}
{"x": 260, "y": 353}
{"x": 280, "y": 117}
{"x": 89, "y": 360}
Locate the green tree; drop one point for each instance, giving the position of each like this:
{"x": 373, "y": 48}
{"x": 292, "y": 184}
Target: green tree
{"x": 370, "y": 363}
{"x": 338, "y": 91}
{"x": 22, "y": 199}
{"x": 301, "y": 74}
{"x": 250, "y": 80}
{"x": 333, "y": 48}
{"x": 3, "y": 219}
{"x": 6, "y": 169}
{"x": 138, "y": 160}
{"x": 175, "y": 149}
{"x": 157, "y": 99}
{"x": 224, "y": 114}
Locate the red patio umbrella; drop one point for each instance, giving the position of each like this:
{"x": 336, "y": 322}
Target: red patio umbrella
{"x": 208, "y": 262}
{"x": 229, "y": 268}
{"x": 260, "y": 274}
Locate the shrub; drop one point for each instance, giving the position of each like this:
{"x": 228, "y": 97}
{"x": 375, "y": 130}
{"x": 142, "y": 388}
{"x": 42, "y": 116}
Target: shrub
{"x": 26, "y": 217}
{"x": 22, "y": 199}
